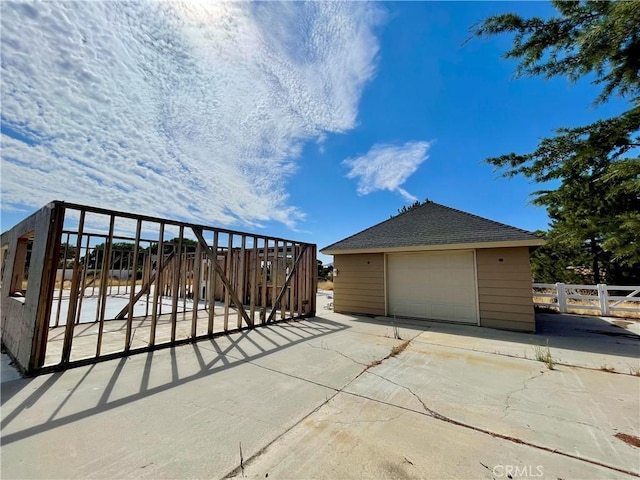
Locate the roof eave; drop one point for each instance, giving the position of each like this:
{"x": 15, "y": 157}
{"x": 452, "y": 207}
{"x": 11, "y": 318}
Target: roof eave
{"x": 422, "y": 248}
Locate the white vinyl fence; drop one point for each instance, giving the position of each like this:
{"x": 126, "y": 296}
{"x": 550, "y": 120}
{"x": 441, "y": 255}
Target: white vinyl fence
{"x": 605, "y": 299}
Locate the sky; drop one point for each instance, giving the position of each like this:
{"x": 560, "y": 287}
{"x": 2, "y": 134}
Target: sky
{"x": 308, "y": 121}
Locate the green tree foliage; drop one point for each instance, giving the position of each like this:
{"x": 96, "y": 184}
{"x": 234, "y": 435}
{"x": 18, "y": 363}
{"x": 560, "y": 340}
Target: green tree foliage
{"x": 70, "y": 255}
{"x": 324, "y": 273}
{"x": 595, "y": 212}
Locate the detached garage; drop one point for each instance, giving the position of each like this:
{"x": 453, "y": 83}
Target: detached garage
{"x": 435, "y": 262}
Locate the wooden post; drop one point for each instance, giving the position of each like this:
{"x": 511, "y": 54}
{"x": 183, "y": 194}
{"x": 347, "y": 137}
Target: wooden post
{"x": 294, "y": 282}
{"x": 306, "y": 282}
{"x": 64, "y": 270}
{"x": 195, "y": 289}
{"x": 212, "y": 277}
{"x": 562, "y": 297}
{"x": 83, "y": 286}
{"x": 158, "y": 285}
{"x": 104, "y": 280}
{"x": 47, "y": 287}
{"x": 176, "y": 286}
{"x": 132, "y": 293}
{"x": 314, "y": 282}
{"x": 263, "y": 303}
{"x": 229, "y": 273}
{"x": 284, "y": 302}
{"x": 288, "y": 280}
{"x": 73, "y": 296}
{"x": 225, "y": 280}
{"x": 241, "y": 276}
{"x": 274, "y": 277}
{"x": 603, "y": 297}
{"x": 255, "y": 264}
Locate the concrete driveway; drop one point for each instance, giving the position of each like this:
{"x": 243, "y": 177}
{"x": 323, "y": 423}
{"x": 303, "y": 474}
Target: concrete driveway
{"x": 338, "y": 396}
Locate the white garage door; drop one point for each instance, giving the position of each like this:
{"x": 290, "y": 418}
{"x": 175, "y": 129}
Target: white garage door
{"x": 441, "y": 286}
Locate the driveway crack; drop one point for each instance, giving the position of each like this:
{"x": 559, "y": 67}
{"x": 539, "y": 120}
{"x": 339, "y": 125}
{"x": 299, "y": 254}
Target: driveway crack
{"x": 525, "y": 383}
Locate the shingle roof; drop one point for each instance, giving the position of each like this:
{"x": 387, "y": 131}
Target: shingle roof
{"x": 432, "y": 224}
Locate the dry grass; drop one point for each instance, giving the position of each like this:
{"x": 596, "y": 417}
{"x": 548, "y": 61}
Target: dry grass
{"x": 544, "y": 355}
{"x": 325, "y": 285}
{"x": 588, "y": 307}
{"x": 398, "y": 349}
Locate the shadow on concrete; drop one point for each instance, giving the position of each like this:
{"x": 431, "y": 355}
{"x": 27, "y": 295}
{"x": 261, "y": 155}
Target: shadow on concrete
{"x": 227, "y": 351}
{"x": 565, "y": 331}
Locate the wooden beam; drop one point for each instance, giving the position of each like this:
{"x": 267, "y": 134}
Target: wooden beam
{"x": 288, "y": 280}
{"x": 212, "y": 255}
{"x": 146, "y": 287}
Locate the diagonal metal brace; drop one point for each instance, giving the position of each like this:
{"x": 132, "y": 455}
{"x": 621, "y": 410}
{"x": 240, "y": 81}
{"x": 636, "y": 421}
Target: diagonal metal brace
{"x": 286, "y": 284}
{"x": 223, "y": 277}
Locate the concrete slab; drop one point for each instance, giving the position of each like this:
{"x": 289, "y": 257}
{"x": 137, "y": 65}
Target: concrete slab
{"x": 353, "y": 437}
{"x": 85, "y": 335}
{"x": 577, "y": 340}
{"x": 179, "y": 413}
{"x": 8, "y": 372}
{"x": 569, "y": 410}
{"x": 323, "y": 398}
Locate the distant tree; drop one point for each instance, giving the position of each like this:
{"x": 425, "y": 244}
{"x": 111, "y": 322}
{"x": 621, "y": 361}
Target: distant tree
{"x": 324, "y": 273}
{"x": 559, "y": 260}
{"x": 596, "y": 208}
{"x": 67, "y": 254}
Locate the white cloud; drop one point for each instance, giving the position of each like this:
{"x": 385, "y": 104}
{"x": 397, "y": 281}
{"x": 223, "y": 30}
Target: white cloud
{"x": 387, "y": 167}
{"x": 196, "y": 111}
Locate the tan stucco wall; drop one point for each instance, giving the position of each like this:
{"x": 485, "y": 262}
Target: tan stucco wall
{"x": 504, "y": 288}
{"x": 359, "y": 285}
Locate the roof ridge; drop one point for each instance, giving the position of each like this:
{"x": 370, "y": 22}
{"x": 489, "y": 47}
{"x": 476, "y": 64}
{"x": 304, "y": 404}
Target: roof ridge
{"x": 485, "y": 219}
{"x": 426, "y": 202}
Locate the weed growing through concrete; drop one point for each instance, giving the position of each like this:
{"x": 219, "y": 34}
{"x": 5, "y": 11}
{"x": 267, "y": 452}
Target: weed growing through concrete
{"x": 635, "y": 371}
{"x": 396, "y": 330}
{"x": 604, "y": 368}
{"x": 544, "y": 355}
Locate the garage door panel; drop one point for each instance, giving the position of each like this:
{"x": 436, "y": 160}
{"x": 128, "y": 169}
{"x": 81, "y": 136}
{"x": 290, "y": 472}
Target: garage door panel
{"x": 436, "y": 286}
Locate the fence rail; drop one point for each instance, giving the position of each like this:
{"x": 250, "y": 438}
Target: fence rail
{"x": 605, "y": 299}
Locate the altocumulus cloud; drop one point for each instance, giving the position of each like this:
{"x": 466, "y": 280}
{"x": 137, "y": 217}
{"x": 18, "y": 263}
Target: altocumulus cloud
{"x": 198, "y": 111}
{"x": 387, "y": 167}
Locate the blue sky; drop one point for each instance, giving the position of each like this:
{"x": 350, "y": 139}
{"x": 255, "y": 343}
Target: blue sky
{"x": 309, "y": 121}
